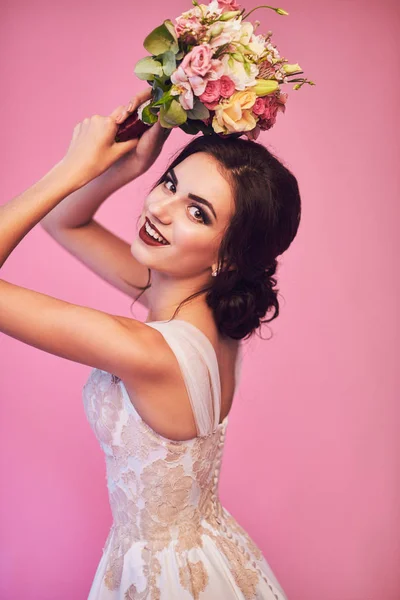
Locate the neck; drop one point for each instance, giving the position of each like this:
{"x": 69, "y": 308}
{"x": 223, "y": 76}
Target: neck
{"x": 166, "y": 293}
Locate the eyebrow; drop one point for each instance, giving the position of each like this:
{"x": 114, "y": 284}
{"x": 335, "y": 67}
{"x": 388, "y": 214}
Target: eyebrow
{"x": 193, "y": 196}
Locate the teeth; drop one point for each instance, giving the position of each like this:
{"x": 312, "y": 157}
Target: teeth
{"x": 154, "y": 234}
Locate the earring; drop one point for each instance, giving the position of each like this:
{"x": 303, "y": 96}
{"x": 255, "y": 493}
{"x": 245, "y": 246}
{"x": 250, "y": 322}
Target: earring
{"x": 214, "y": 273}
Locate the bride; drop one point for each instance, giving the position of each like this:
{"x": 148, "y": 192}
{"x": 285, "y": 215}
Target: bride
{"x": 160, "y": 391}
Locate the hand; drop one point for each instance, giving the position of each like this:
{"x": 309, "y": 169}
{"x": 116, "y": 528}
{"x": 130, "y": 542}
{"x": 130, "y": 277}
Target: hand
{"x": 93, "y": 149}
{"x": 138, "y": 160}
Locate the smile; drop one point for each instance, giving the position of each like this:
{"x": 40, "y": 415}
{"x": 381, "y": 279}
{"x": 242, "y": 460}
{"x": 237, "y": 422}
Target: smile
{"x": 151, "y": 236}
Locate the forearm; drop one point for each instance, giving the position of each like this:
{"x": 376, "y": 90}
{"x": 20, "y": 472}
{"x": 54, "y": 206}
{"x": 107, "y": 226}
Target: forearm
{"x": 19, "y": 215}
{"x": 82, "y": 204}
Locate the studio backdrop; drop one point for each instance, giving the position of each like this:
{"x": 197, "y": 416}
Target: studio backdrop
{"x": 311, "y": 460}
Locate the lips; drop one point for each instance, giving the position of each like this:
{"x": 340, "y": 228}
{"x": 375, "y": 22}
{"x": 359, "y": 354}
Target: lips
{"x": 155, "y": 229}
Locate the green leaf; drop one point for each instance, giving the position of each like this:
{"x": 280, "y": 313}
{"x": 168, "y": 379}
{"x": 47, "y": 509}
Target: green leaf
{"x": 148, "y": 116}
{"x": 171, "y": 28}
{"x": 247, "y": 68}
{"x": 199, "y": 111}
{"x": 160, "y": 82}
{"x": 163, "y": 100}
{"x": 231, "y": 62}
{"x": 168, "y": 62}
{"x": 173, "y": 115}
{"x": 157, "y": 91}
{"x": 162, "y": 39}
{"x": 147, "y": 68}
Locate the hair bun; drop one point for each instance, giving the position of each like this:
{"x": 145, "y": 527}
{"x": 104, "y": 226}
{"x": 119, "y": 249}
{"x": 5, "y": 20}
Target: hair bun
{"x": 239, "y": 303}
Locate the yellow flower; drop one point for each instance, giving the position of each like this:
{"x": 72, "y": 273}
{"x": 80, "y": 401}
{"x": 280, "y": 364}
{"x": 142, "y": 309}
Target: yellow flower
{"x": 234, "y": 114}
{"x": 263, "y": 87}
{"x": 290, "y": 69}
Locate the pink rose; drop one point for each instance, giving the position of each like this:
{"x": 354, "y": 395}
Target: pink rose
{"x": 259, "y": 106}
{"x": 228, "y": 4}
{"x": 198, "y": 61}
{"x": 227, "y": 86}
{"x": 211, "y": 105}
{"x": 212, "y": 91}
{"x": 268, "y": 117}
{"x": 187, "y": 24}
{"x": 271, "y": 108}
{"x": 273, "y": 104}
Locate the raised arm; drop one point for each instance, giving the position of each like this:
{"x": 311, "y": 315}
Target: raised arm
{"x": 122, "y": 346}
{"x": 71, "y": 223}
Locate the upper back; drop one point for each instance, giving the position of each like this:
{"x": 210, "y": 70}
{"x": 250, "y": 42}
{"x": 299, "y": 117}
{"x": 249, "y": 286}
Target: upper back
{"x": 197, "y": 391}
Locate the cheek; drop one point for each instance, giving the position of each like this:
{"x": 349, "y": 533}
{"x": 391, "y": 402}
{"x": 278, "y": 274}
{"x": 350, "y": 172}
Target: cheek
{"x": 186, "y": 236}
{"x": 194, "y": 239}
{"x": 195, "y": 251}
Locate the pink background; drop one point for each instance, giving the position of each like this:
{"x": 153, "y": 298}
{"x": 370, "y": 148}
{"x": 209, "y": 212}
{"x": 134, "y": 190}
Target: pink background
{"x": 311, "y": 466}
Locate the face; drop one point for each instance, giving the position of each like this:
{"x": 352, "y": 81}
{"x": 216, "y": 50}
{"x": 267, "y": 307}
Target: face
{"x": 193, "y": 228}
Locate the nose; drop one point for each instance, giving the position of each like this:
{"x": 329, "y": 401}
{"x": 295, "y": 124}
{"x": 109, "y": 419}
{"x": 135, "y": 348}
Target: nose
{"x": 160, "y": 210}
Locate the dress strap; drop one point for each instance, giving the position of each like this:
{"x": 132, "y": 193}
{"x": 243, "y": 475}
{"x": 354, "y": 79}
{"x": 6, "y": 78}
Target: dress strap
{"x": 199, "y": 366}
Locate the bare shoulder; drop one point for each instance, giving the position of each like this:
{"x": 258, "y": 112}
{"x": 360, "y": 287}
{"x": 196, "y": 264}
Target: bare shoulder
{"x": 158, "y": 392}
{"x": 149, "y": 350}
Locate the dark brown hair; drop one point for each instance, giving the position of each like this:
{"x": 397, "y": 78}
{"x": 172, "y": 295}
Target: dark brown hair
{"x": 264, "y": 224}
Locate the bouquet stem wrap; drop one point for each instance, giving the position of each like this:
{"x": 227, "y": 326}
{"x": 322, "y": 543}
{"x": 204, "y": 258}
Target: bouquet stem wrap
{"x": 133, "y": 127}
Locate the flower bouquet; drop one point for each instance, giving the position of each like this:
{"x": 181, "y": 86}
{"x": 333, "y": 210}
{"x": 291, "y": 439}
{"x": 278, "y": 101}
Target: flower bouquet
{"x": 210, "y": 72}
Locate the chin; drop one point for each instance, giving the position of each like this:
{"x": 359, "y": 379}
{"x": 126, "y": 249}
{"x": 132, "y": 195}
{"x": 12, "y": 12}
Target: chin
{"x": 144, "y": 254}
{"x": 139, "y": 251}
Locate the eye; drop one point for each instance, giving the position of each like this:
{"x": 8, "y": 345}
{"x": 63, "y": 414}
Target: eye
{"x": 168, "y": 180}
{"x": 204, "y": 217}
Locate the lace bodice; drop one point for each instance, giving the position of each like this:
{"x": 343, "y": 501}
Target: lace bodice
{"x": 164, "y": 493}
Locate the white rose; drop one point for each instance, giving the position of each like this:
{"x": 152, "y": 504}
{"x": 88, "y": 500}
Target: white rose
{"x": 257, "y": 44}
{"x": 228, "y": 34}
{"x": 244, "y": 34}
{"x": 238, "y": 74}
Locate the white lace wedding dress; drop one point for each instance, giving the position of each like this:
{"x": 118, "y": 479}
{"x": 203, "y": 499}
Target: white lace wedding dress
{"x": 171, "y": 539}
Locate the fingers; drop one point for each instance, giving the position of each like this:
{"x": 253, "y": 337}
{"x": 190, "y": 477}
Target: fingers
{"x": 76, "y": 131}
{"x": 120, "y": 111}
{"x": 121, "y": 115}
{"x": 140, "y": 97}
{"x": 123, "y": 111}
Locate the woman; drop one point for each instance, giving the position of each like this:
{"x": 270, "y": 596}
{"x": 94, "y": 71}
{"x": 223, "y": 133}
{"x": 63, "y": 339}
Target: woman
{"x": 159, "y": 393}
